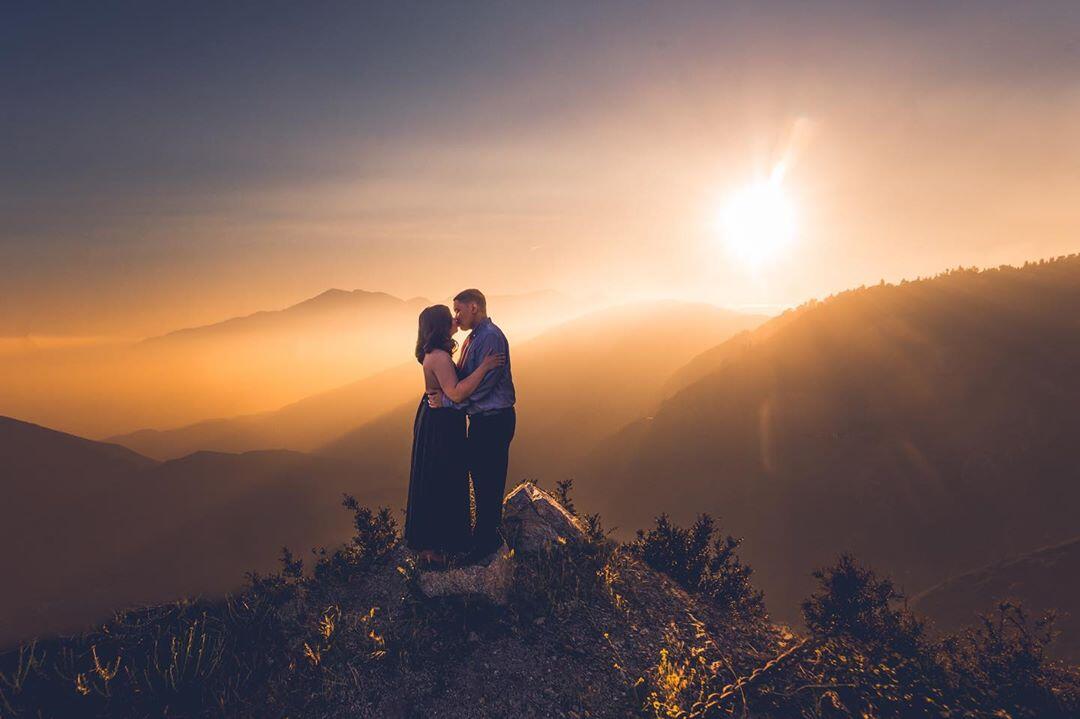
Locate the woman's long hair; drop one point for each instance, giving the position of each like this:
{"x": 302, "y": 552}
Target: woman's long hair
{"x": 436, "y": 328}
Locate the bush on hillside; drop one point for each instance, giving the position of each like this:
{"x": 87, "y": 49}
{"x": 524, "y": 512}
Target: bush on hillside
{"x": 594, "y": 527}
{"x": 854, "y": 603}
{"x": 703, "y": 561}
{"x": 867, "y": 656}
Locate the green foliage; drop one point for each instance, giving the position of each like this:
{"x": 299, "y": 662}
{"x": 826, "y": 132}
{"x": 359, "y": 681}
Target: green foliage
{"x": 266, "y": 651}
{"x": 562, "y": 492}
{"x": 1003, "y": 660}
{"x": 376, "y": 534}
{"x": 700, "y": 559}
{"x": 868, "y": 657}
{"x": 853, "y": 602}
{"x": 594, "y": 527}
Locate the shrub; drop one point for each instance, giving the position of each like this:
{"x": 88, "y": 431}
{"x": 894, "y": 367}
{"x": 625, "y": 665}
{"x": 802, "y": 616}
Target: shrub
{"x": 1002, "y": 660}
{"x": 594, "y": 528}
{"x": 868, "y": 657}
{"x": 702, "y": 560}
{"x": 853, "y": 602}
{"x": 376, "y": 534}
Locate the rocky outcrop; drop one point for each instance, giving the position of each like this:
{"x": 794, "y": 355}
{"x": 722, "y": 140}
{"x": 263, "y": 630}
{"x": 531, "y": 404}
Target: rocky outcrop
{"x": 489, "y": 578}
{"x": 534, "y": 520}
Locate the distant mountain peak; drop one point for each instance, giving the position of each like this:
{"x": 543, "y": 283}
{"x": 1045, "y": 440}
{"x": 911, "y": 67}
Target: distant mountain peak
{"x": 331, "y": 293}
{"x": 338, "y": 297}
{"x": 328, "y": 301}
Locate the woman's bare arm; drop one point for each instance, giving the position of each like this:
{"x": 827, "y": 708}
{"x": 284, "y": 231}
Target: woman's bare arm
{"x": 443, "y": 368}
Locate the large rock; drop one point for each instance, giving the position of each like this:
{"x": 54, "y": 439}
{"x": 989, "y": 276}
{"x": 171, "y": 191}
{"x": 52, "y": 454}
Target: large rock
{"x": 534, "y": 520}
{"x": 489, "y": 578}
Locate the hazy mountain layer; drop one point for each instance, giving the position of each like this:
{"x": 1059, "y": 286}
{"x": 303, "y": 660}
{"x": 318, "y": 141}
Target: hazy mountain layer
{"x": 302, "y": 425}
{"x": 576, "y": 385}
{"x": 929, "y": 427}
{"x": 241, "y": 366}
{"x": 612, "y": 361}
{"x": 1048, "y": 578}
{"x": 88, "y": 527}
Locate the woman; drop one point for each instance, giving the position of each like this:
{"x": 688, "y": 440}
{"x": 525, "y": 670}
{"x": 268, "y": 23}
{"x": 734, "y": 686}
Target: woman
{"x": 437, "y": 515}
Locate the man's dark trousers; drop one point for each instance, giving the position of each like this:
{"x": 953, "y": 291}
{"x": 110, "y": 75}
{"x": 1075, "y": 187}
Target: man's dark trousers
{"x": 489, "y": 455}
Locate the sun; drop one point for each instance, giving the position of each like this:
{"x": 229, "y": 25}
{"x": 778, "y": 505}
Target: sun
{"x": 758, "y": 222}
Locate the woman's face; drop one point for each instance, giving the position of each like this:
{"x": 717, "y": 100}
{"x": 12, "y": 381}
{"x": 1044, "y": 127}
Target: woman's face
{"x": 454, "y": 326}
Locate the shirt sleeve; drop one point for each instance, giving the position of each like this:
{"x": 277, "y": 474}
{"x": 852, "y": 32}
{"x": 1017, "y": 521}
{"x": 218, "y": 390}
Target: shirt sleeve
{"x": 486, "y": 345}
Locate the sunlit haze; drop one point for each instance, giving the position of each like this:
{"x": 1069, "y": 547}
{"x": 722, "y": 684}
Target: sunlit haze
{"x": 175, "y": 166}
{"x": 759, "y": 222}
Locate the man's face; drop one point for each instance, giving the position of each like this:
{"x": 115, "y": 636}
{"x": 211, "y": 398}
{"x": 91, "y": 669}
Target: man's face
{"x": 465, "y": 314}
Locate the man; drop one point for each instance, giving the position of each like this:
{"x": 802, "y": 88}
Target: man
{"x": 492, "y": 419}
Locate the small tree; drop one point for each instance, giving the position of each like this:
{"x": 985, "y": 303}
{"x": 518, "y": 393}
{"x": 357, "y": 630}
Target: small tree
{"x": 693, "y": 558}
{"x": 594, "y": 527}
{"x": 853, "y": 602}
{"x": 376, "y": 534}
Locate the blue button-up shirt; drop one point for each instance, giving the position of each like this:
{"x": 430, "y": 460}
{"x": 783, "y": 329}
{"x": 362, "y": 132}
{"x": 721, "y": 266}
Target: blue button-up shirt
{"x": 496, "y": 390}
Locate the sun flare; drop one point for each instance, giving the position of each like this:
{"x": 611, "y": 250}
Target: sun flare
{"x": 758, "y": 222}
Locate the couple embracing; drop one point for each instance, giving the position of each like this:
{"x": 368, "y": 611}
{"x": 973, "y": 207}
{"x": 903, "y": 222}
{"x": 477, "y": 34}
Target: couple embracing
{"x": 463, "y": 428}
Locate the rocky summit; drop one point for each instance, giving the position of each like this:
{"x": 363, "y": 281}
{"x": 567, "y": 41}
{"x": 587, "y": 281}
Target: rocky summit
{"x": 534, "y": 521}
{"x": 489, "y": 578}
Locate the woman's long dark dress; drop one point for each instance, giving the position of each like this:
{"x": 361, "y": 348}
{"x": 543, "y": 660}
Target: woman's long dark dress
{"x": 437, "y": 515}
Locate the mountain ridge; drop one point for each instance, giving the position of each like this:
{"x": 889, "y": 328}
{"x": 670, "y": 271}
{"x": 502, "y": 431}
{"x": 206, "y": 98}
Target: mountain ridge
{"x": 873, "y": 421}
{"x": 199, "y": 521}
{"x": 1041, "y": 580}
{"x": 329, "y": 300}
{"x": 319, "y": 419}
{"x": 28, "y": 432}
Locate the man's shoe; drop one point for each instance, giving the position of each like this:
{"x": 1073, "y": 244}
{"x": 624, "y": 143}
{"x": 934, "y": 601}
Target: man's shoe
{"x": 482, "y": 554}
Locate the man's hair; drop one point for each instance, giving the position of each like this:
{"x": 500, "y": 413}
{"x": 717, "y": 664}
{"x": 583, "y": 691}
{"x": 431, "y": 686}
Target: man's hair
{"x": 472, "y": 295}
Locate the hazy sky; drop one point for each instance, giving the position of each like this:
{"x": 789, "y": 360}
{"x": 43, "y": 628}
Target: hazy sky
{"x": 177, "y": 163}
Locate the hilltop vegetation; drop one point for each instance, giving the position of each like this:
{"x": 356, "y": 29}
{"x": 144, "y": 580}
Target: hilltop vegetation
{"x": 666, "y": 626}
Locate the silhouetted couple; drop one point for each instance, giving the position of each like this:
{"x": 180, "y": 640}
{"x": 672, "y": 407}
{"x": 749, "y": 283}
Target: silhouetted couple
{"x": 463, "y": 428}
